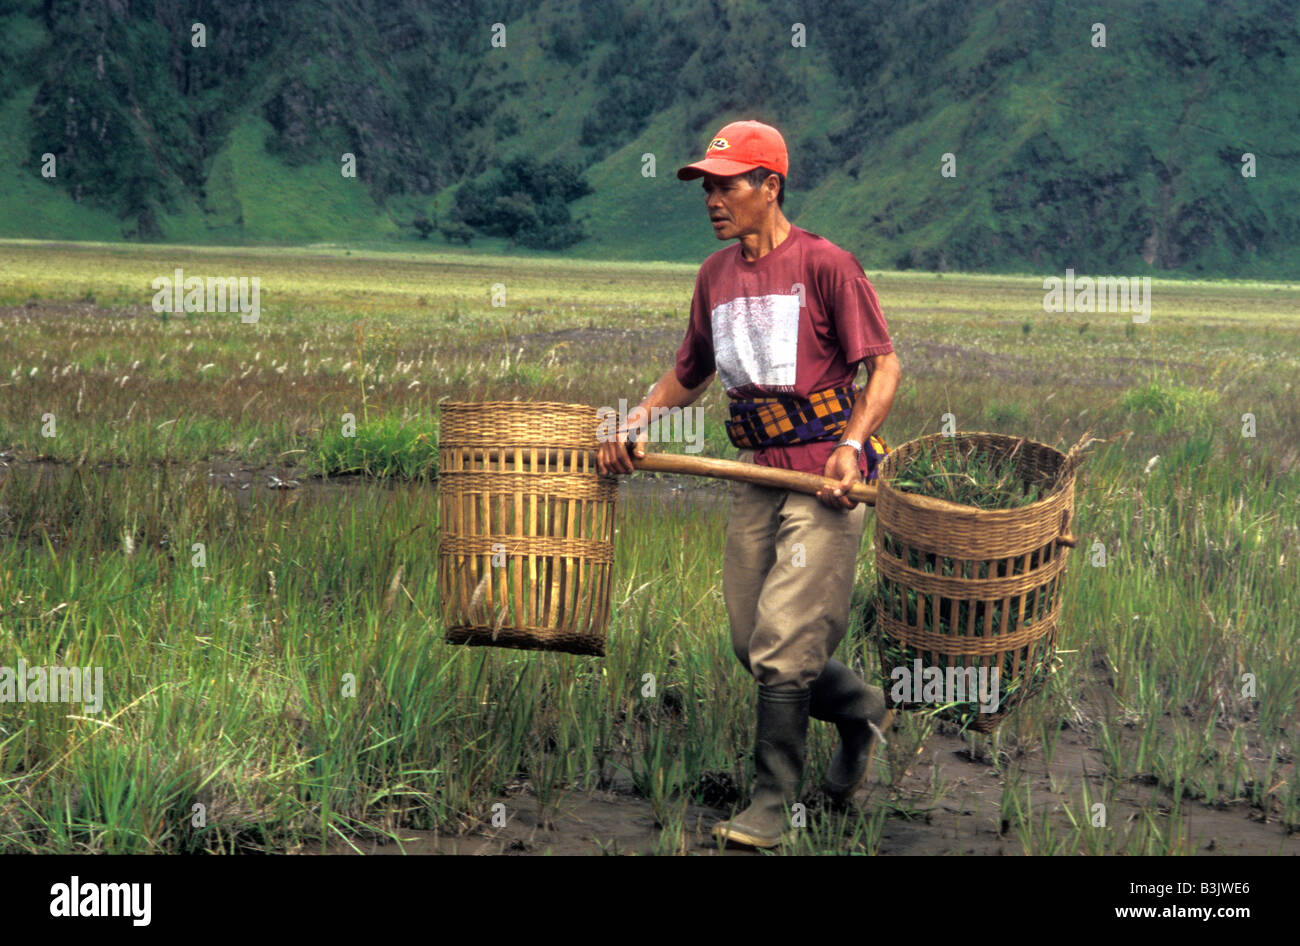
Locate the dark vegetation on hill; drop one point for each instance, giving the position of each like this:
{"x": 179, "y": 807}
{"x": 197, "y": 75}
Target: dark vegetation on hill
{"x": 1067, "y": 154}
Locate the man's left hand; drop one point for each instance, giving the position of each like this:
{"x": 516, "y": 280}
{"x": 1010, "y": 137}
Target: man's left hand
{"x": 843, "y": 467}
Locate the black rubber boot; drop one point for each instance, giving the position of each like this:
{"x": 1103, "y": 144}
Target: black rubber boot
{"x": 859, "y": 712}
{"x": 779, "y": 747}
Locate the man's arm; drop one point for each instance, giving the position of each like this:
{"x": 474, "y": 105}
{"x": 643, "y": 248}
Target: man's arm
{"x": 613, "y": 456}
{"x": 876, "y": 399}
{"x": 669, "y": 392}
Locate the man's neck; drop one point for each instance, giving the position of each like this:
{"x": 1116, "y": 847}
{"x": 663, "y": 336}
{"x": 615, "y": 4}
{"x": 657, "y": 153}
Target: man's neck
{"x": 757, "y": 245}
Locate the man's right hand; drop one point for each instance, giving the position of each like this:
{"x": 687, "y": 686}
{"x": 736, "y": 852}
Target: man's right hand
{"x": 615, "y": 456}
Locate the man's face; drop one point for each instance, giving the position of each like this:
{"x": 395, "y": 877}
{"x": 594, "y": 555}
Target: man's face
{"x": 735, "y": 208}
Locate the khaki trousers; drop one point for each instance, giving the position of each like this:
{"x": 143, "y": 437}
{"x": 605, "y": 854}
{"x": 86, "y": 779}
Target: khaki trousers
{"x": 787, "y": 579}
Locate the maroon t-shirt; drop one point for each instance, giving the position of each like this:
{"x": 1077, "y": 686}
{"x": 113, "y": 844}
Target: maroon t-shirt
{"x": 748, "y": 325}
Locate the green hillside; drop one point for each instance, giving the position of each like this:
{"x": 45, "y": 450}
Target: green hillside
{"x": 1122, "y": 157}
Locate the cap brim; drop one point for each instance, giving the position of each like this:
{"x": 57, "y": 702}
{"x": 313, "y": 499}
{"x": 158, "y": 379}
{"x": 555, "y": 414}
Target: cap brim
{"x": 719, "y": 166}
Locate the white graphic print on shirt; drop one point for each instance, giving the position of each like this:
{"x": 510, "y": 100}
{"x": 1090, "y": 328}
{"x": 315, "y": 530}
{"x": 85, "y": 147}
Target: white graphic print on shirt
{"x": 755, "y": 341}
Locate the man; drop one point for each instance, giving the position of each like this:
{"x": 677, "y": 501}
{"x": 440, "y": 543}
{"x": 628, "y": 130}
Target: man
{"x": 785, "y": 318}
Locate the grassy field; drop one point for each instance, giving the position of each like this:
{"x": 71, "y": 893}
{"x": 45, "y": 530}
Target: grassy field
{"x": 275, "y": 655}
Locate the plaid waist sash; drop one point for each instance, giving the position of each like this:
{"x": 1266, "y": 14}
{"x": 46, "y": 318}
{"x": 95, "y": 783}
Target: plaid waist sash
{"x": 759, "y": 422}
{"x": 779, "y": 421}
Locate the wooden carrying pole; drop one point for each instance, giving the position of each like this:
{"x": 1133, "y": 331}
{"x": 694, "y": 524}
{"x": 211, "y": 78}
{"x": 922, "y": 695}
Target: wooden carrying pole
{"x": 809, "y": 483}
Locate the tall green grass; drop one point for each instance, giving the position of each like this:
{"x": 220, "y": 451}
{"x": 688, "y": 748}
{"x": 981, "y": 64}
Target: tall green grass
{"x": 386, "y": 447}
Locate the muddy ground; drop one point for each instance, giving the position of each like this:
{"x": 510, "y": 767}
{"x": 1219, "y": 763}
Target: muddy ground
{"x": 965, "y": 820}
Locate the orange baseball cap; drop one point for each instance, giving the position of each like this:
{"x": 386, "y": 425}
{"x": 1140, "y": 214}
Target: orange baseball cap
{"x": 741, "y": 147}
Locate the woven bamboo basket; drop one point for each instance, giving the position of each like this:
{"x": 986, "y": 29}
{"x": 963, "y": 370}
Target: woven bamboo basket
{"x": 961, "y": 587}
{"x": 526, "y": 551}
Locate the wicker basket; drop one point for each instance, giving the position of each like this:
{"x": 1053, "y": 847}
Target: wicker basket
{"x": 526, "y": 551}
{"x": 962, "y": 587}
